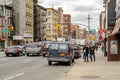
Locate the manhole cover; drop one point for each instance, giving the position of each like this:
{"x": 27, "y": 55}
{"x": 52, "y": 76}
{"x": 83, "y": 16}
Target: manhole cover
{"x": 90, "y": 77}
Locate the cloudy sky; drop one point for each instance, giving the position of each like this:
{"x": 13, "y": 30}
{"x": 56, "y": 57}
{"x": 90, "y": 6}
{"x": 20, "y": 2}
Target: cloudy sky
{"x": 78, "y": 9}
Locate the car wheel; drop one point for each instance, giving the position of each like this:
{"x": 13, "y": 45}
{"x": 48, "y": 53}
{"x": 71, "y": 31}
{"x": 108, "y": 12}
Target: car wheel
{"x": 27, "y": 54}
{"x": 22, "y": 53}
{"x": 69, "y": 63}
{"x": 19, "y": 54}
{"x": 43, "y": 55}
{"x": 73, "y": 60}
{"x": 49, "y": 62}
{"x": 7, "y": 55}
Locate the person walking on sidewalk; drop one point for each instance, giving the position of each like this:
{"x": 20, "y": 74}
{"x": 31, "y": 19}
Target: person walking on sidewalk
{"x": 92, "y": 52}
{"x": 86, "y": 53}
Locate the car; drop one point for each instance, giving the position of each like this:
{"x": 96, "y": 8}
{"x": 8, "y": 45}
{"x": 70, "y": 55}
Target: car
{"x": 32, "y": 49}
{"x": 76, "y": 51}
{"x": 60, "y": 52}
{"x": 14, "y": 50}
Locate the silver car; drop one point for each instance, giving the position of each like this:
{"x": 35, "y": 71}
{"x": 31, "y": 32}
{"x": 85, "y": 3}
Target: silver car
{"x": 14, "y": 50}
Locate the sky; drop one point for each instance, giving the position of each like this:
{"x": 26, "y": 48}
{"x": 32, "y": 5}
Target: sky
{"x": 78, "y": 9}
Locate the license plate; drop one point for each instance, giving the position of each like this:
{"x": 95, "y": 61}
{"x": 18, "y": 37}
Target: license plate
{"x": 62, "y": 54}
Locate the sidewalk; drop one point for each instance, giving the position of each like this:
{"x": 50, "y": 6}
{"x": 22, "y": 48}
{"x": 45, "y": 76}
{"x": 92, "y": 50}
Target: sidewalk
{"x": 99, "y": 70}
{"x": 1, "y": 53}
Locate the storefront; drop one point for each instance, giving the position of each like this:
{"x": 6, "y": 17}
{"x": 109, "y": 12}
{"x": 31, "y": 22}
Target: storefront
{"x": 114, "y": 44}
{"x": 2, "y": 45}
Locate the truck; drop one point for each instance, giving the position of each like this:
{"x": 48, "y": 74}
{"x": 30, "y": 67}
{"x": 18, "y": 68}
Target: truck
{"x": 33, "y": 49}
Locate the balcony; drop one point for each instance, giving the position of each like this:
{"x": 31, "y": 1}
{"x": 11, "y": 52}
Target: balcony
{"x": 43, "y": 14}
{"x": 43, "y": 20}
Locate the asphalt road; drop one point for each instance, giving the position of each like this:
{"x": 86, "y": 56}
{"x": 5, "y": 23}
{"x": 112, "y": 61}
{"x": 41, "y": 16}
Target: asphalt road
{"x": 31, "y": 68}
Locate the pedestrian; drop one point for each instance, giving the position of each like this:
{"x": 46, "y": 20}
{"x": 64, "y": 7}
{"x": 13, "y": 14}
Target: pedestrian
{"x": 96, "y": 47}
{"x": 86, "y": 52}
{"x": 92, "y": 52}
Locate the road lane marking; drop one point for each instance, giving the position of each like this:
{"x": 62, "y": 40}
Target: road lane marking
{"x": 13, "y": 76}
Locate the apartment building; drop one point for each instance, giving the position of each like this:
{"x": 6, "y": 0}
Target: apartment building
{"x": 43, "y": 14}
{"x": 66, "y": 25}
{"x": 5, "y": 22}
{"x": 82, "y": 33}
{"x": 60, "y": 21}
{"x": 75, "y": 32}
{"x": 39, "y": 23}
{"x": 52, "y": 20}
{"x": 23, "y": 21}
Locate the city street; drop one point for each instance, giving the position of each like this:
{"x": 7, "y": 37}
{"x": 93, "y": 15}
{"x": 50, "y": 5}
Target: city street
{"x": 83, "y": 33}
{"x": 30, "y": 68}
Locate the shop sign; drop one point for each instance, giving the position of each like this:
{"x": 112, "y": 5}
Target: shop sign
{"x": 114, "y": 47}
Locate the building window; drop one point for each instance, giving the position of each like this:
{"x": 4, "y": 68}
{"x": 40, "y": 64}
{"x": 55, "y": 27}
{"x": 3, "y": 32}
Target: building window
{"x": 49, "y": 13}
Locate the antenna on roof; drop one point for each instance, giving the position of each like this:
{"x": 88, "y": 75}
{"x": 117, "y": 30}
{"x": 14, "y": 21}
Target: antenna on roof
{"x": 52, "y": 6}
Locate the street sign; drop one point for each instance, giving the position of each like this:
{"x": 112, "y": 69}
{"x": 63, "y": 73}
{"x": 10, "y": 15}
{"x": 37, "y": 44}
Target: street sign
{"x": 92, "y": 30}
{"x": 5, "y": 30}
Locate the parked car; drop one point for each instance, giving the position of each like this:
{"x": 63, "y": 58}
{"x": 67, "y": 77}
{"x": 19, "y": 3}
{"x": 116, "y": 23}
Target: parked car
{"x": 76, "y": 51}
{"x": 60, "y": 52}
{"x": 14, "y": 50}
{"x": 33, "y": 49}
{"x": 44, "y": 49}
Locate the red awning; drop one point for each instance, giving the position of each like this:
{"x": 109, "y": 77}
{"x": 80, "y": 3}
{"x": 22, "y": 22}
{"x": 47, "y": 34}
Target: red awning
{"x": 101, "y": 31}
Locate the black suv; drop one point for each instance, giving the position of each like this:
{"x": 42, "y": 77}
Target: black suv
{"x": 60, "y": 52}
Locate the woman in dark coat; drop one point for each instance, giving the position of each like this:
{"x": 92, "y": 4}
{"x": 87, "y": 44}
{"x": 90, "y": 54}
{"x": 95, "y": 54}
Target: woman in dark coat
{"x": 86, "y": 53}
{"x": 92, "y": 52}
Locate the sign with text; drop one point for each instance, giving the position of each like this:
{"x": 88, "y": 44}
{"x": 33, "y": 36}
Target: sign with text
{"x": 114, "y": 47}
{"x": 5, "y": 30}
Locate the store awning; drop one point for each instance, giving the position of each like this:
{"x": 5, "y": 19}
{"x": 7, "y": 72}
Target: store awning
{"x": 116, "y": 28}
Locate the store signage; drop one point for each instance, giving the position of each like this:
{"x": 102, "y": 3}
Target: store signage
{"x": 114, "y": 47}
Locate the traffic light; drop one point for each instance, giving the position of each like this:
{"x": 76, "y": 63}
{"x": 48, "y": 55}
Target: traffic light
{"x": 58, "y": 26}
{"x": 11, "y": 28}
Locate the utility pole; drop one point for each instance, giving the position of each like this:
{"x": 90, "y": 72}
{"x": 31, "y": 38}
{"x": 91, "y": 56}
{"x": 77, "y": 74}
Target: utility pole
{"x": 88, "y": 34}
{"x": 89, "y": 22}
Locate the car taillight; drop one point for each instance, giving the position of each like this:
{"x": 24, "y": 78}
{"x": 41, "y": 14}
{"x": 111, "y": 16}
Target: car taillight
{"x": 5, "y": 50}
{"x": 68, "y": 54}
{"x": 16, "y": 50}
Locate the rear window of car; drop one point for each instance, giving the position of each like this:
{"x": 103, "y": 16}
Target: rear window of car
{"x": 53, "y": 47}
{"x": 63, "y": 47}
{"x": 58, "y": 47}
